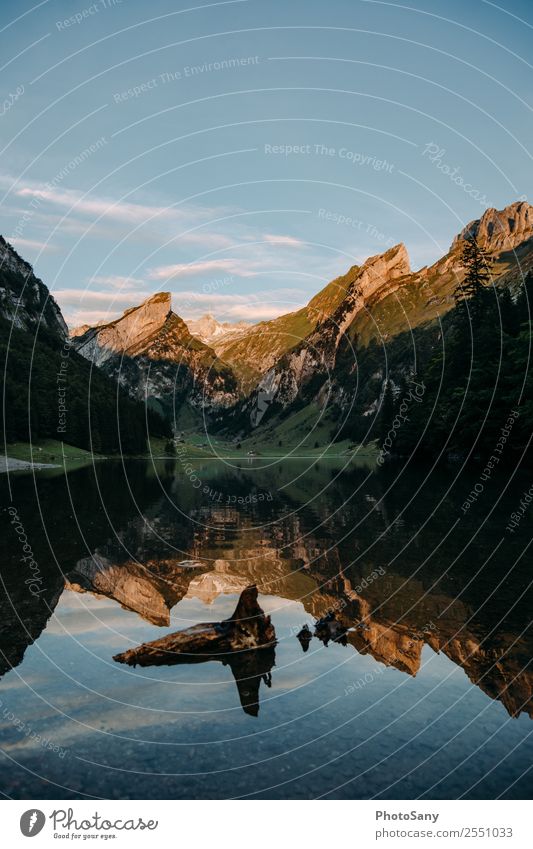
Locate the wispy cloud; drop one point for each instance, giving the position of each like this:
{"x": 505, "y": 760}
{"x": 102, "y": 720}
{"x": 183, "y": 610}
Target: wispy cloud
{"x": 96, "y": 306}
{"x": 189, "y": 246}
{"x": 254, "y": 312}
{"x": 83, "y": 204}
{"x": 205, "y": 238}
{"x": 133, "y": 213}
{"x": 31, "y": 244}
{"x": 286, "y": 241}
{"x": 90, "y": 306}
{"x": 95, "y": 205}
{"x": 259, "y": 306}
{"x": 95, "y": 297}
{"x": 241, "y": 268}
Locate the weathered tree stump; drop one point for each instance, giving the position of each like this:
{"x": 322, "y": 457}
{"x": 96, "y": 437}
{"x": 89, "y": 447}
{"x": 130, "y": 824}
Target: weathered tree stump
{"x": 244, "y": 642}
{"x": 248, "y": 628}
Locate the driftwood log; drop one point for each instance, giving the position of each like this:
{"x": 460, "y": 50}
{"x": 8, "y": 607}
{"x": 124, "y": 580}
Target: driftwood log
{"x": 248, "y": 628}
{"x": 244, "y": 642}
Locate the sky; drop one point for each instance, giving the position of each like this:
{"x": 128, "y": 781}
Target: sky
{"x": 241, "y": 154}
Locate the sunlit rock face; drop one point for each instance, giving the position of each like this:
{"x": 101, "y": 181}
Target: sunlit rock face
{"x": 316, "y": 355}
{"x": 132, "y": 332}
{"x": 133, "y": 586}
{"x": 150, "y": 351}
{"x": 501, "y": 230}
{"x": 209, "y": 586}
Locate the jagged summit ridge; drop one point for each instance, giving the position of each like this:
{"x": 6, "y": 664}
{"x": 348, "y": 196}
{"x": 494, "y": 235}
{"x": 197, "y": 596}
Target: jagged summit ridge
{"x": 501, "y": 230}
{"x": 135, "y": 326}
{"x": 150, "y": 351}
{"x": 379, "y": 276}
{"x": 380, "y": 270}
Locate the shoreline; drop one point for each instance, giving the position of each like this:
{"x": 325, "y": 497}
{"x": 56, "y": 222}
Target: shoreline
{"x": 10, "y": 464}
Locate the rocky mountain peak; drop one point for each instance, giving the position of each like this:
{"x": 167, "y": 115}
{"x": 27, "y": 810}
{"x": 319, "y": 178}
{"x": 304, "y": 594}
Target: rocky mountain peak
{"x": 501, "y": 230}
{"x": 78, "y": 331}
{"x": 203, "y": 327}
{"x": 393, "y": 263}
{"x": 159, "y": 303}
{"x": 210, "y": 330}
{"x": 25, "y": 301}
{"x": 150, "y": 351}
{"x": 135, "y": 326}
{"x": 10, "y": 259}
{"x": 376, "y": 275}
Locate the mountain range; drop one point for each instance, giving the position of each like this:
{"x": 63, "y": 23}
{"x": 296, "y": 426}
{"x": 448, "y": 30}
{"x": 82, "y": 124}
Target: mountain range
{"x": 242, "y": 376}
{"x": 385, "y": 299}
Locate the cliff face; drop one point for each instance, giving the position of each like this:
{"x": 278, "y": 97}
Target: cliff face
{"x": 380, "y": 275}
{"x": 127, "y": 335}
{"x": 501, "y": 230}
{"x": 254, "y": 351}
{"x": 151, "y": 591}
{"x": 151, "y": 353}
{"x": 383, "y": 299}
{"x": 24, "y": 299}
{"x": 314, "y": 358}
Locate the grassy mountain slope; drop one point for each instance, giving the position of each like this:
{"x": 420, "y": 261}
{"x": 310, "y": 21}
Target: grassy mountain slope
{"x": 259, "y": 348}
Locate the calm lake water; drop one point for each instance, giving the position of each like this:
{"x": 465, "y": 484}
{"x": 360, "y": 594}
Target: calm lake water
{"x": 428, "y": 694}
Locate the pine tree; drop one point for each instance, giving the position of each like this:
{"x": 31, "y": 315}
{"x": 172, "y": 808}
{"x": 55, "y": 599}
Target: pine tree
{"x": 477, "y": 264}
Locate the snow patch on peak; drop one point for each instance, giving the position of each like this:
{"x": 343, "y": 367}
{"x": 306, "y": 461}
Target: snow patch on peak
{"x": 208, "y": 329}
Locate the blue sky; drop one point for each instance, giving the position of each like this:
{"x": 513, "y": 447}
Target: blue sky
{"x": 241, "y": 154}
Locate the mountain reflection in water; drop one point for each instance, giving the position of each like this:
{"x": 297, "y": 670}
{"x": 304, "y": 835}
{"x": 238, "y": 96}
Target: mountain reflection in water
{"x": 379, "y": 566}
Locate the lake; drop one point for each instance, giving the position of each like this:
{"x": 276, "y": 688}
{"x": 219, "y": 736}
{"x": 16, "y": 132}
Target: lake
{"x": 426, "y": 692}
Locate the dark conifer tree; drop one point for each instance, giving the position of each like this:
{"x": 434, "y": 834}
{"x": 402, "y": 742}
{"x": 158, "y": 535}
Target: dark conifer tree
{"x": 470, "y": 293}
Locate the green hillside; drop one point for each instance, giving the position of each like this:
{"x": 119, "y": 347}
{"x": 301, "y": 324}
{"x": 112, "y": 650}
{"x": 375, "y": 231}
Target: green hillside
{"x": 51, "y": 392}
{"x": 253, "y": 353}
